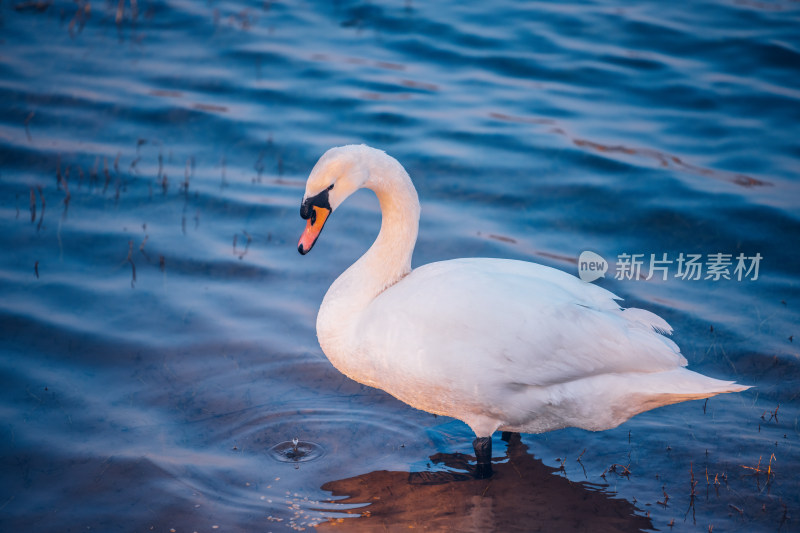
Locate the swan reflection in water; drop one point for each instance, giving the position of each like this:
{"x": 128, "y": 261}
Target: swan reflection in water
{"x": 523, "y": 495}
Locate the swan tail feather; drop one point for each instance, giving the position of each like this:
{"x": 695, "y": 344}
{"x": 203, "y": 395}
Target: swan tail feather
{"x": 647, "y": 319}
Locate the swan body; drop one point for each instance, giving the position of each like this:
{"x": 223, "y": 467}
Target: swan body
{"x": 499, "y": 344}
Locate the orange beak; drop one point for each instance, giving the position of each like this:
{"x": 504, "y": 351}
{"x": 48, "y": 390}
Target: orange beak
{"x": 314, "y": 226}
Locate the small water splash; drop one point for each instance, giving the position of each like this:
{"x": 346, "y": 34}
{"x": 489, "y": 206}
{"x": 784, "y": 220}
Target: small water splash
{"x": 296, "y": 451}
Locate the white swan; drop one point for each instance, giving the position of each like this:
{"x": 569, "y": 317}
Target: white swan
{"x": 499, "y": 344}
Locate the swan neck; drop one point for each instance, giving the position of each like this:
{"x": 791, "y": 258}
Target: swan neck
{"x": 388, "y": 260}
{"x": 392, "y": 250}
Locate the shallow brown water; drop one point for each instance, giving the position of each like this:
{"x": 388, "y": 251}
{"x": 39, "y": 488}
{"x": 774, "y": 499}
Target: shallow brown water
{"x": 522, "y": 495}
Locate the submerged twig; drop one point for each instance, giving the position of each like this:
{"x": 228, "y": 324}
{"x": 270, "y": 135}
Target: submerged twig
{"x": 625, "y": 470}
{"x": 120, "y": 11}
{"x": 93, "y": 172}
{"x": 67, "y": 194}
{"x": 141, "y": 248}
{"x": 33, "y": 205}
{"x": 27, "y": 122}
{"x": 187, "y": 173}
{"x": 83, "y": 12}
{"x": 578, "y": 460}
{"x": 133, "y": 266}
{"x": 692, "y": 494}
{"x": 41, "y": 215}
{"x": 259, "y": 166}
{"x": 58, "y": 172}
{"x": 106, "y": 174}
{"x": 666, "y": 497}
{"x": 247, "y": 244}
{"x": 738, "y": 510}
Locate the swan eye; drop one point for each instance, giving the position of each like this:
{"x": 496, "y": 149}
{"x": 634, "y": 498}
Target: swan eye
{"x": 330, "y": 187}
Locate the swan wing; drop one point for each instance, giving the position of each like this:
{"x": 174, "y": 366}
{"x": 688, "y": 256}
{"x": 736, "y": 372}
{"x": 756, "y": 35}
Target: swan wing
{"x": 508, "y": 323}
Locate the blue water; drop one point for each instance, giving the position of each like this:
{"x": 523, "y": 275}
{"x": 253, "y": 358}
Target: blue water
{"x": 157, "y": 323}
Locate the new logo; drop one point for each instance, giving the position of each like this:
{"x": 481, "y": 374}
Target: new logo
{"x": 591, "y": 266}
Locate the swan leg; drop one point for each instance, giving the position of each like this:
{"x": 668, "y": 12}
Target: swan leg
{"x": 483, "y": 454}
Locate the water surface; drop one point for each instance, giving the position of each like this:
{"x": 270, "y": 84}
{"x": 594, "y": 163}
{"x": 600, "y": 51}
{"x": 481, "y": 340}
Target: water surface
{"x": 158, "y": 324}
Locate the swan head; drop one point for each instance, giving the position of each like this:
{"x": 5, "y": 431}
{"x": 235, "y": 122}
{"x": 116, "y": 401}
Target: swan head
{"x": 339, "y": 173}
